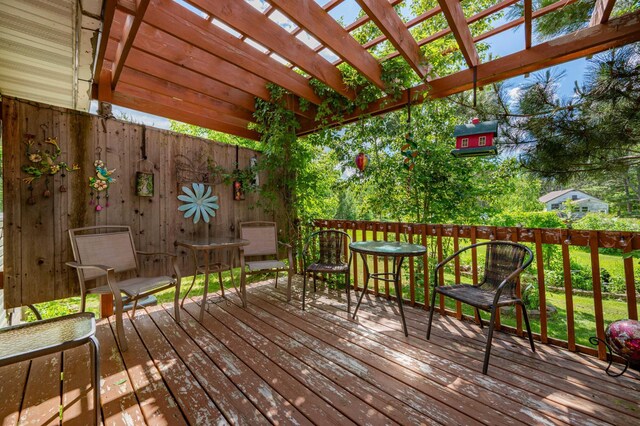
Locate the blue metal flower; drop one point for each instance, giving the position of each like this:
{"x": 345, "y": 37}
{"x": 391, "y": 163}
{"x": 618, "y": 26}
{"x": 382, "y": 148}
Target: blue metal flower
{"x": 198, "y": 203}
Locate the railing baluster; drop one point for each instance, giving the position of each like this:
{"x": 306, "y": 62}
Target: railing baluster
{"x": 456, "y": 266}
{"x": 630, "y": 281}
{"x": 386, "y": 262}
{"x": 514, "y": 238}
{"x": 440, "y": 258}
{"x": 568, "y": 291}
{"x": 597, "y": 291}
{"x": 376, "y": 288}
{"x": 541, "y": 287}
{"x": 425, "y": 267}
{"x": 354, "y": 237}
{"x": 412, "y": 276}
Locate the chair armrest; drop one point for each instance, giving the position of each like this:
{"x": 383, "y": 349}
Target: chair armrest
{"x": 160, "y": 253}
{"x": 110, "y": 272}
{"x": 77, "y": 265}
{"x": 288, "y": 246}
{"x": 289, "y": 253}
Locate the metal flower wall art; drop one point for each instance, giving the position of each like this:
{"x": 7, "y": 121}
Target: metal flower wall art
{"x": 198, "y": 203}
{"x": 43, "y": 162}
{"x": 100, "y": 183}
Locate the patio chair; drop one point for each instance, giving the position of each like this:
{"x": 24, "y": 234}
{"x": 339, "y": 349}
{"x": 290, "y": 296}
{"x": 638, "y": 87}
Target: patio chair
{"x": 102, "y": 251}
{"x": 262, "y": 252}
{"x": 325, "y": 252}
{"x": 504, "y": 262}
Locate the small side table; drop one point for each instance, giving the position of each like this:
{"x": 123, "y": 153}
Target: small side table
{"x": 394, "y": 249}
{"x": 34, "y": 339}
{"x": 208, "y": 245}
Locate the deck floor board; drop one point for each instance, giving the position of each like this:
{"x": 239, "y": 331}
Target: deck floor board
{"x": 273, "y": 363}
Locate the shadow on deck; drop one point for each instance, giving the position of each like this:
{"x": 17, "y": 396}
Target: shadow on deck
{"x": 274, "y": 363}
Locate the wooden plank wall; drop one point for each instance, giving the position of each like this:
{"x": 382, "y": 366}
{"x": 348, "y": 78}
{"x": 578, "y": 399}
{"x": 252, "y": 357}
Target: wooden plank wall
{"x": 36, "y": 240}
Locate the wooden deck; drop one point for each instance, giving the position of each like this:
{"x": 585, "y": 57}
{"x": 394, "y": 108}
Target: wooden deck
{"x": 273, "y": 363}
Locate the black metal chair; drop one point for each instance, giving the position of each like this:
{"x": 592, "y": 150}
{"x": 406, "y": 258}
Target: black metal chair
{"x": 504, "y": 262}
{"x": 326, "y": 252}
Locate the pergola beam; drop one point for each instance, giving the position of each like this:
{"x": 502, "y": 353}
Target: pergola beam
{"x": 314, "y": 19}
{"x": 585, "y": 42}
{"x": 388, "y": 21}
{"x": 131, "y": 26}
{"x": 458, "y": 23}
{"x": 165, "y": 14}
{"x": 109, "y": 12}
{"x": 175, "y": 113}
{"x": 249, "y": 21}
{"x": 528, "y": 23}
{"x": 601, "y": 12}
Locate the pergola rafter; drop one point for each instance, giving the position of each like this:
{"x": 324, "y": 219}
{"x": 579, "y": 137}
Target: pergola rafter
{"x": 388, "y": 21}
{"x": 206, "y": 62}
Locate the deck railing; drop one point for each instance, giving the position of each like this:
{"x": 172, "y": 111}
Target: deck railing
{"x": 442, "y": 240}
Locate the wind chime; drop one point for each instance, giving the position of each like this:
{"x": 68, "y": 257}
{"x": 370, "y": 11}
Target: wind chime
{"x": 475, "y": 139}
{"x": 144, "y": 175}
{"x": 238, "y": 189}
{"x": 100, "y": 183}
{"x": 410, "y": 148}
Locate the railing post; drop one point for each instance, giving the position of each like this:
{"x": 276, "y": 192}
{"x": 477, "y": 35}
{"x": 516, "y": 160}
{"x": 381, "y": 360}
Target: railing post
{"x": 541, "y": 286}
{"x": 568, "y": 291}
{"x": 456, "y": 265}
{"x": 597, "y": 291}
{"x": 630, "y": 280}
{"x": 425, "y": 267}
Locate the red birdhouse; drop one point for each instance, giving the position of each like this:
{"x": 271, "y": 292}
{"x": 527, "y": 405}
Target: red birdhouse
{"x": 475, "y": 139}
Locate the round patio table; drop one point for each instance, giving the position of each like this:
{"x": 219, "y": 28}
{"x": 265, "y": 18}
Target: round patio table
{"x": 394, "y": 249}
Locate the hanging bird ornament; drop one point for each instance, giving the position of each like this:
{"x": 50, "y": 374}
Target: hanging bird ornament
{"x": 100, "y": 183}
{"x": 362, "y": 160}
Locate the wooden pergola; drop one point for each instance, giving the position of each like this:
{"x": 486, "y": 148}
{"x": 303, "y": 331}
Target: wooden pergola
{"x": 204, "y": 62}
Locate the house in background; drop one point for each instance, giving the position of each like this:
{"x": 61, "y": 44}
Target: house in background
{"x": 585, "y": 203}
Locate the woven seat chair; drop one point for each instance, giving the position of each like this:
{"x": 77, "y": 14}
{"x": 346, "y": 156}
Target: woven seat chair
{"x": 504, "y": 262}
{"x": 100, "y": 252}
{"x": 325, "y": 252}
{"x": 261, "y": 254}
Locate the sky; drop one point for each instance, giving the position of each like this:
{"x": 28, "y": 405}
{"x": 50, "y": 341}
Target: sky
{"x": 502, "y": 44}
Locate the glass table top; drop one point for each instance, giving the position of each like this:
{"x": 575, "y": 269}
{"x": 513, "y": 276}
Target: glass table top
{"x": 388, "y": 248}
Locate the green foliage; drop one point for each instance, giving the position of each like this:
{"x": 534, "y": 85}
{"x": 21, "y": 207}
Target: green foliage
{"x": 201, "y": 132}
{"x": 608, "y": 222}
{"x": 527, "y": 220}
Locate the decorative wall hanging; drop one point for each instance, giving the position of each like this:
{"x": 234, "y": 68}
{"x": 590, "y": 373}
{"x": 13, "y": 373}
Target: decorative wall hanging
{"x": 362, "y": 160}
{"x": 253, "y": 166}
{"x": 100, "y": 183}
{"x": 188, "y": 171}
{"x": 198, "y": 203}
{"x": 43, "y": 162}
{"x": 238, "y": 188}
{"x": 144, "y": 175}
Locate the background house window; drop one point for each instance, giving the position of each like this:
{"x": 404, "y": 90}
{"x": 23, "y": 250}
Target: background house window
{"x": 555, "y": 206}
{"x": 465, "y": 142}
{"x": 574, "y": 197}
{"x": 585, "y": 209}
{"x": 482, "y": 141}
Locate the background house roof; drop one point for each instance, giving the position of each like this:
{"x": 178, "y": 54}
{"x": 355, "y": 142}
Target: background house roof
{"x": 553, "y": 195}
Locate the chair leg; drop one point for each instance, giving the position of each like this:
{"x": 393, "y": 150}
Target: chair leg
{"x": 277, "y": 273}
{"x": 188, "y": 291}
{"x": 221, "y": 282}
{"x": 176, "y": 301}
{"x": 526, "y": 322}
{"x": 304, "y": 289}
{"x": 487, "y": 352}
{"x": 432, "y": 308}
{"x": 95, "y": 347}
{"x": 243, "y": 287}
{"x": 119, "y": 324}
{"x": 133, "y": 310}
{"x": 314, "y": 282}
{"x": 479, "y": 318}
{"x": 83, "y": 302}
{"x": 289, "y": 277}
{"x": 348, "y": 285}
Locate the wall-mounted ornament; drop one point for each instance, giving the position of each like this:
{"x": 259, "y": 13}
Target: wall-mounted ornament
{"x": 198, "y": 202}
{"x": 253, "y": 166}
{"x": 238, "y": 187}
{"x": 43, "y": 162}
{"x": 144, "y": 179}
{"x": 100, "y": 183}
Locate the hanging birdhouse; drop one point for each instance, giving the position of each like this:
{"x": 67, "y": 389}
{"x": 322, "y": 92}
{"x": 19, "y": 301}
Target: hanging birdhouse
{"x": 362, "y": 160}
{"x": 476, "y": 139}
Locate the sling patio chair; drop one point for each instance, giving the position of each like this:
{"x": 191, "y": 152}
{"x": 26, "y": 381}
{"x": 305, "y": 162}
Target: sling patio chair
{"x": 504, "y": 262}
{"x": 262, "y": 253}
{"x": 101, "y": 252}
{"x": 326, "y": 252}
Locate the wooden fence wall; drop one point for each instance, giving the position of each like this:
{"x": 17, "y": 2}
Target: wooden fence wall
{"x": 36, "y": 240}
